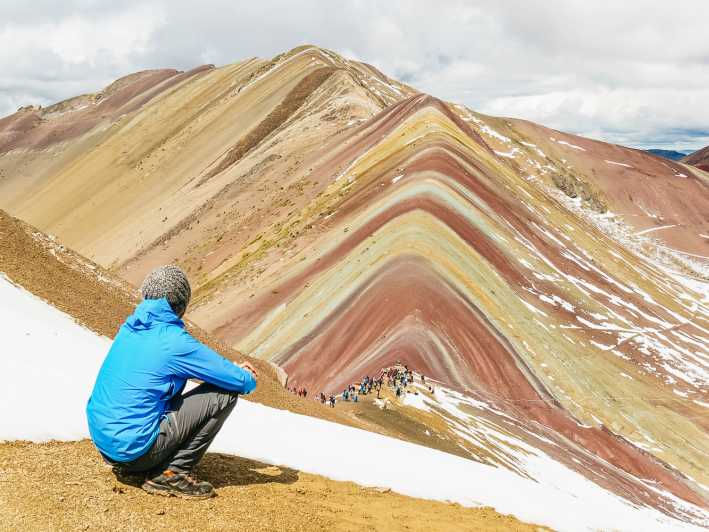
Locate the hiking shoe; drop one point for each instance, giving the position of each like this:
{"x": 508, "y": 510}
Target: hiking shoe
{"x": 169, "y": 483}
{"x": 128, "y": 477}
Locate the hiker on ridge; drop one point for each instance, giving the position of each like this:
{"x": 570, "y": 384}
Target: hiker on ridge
{"x": 139, "y": 419}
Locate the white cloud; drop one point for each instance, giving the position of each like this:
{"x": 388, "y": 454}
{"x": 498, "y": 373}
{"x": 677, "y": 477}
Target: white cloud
{"x": 632, "y": 72}
{"x": 52, "y": 59}
{"x": 621, "y": 109}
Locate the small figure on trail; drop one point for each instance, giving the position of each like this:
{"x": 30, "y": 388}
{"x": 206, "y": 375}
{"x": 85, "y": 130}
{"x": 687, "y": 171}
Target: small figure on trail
{"x": 355, "y": 398}
{"x": 139, "y": 419}
{"x": 423, "y": 379}
{"x": 332, "y": 401}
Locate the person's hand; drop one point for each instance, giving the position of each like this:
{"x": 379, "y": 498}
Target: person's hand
{"x": 248, "y": 367}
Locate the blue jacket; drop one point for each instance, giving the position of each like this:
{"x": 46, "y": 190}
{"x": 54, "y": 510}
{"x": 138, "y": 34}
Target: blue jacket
{"x": 148, "y": 364}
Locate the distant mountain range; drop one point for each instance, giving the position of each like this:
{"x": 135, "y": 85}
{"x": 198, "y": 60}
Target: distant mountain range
{"x": 670, "y": 154}
{"x": 699, "y": 158}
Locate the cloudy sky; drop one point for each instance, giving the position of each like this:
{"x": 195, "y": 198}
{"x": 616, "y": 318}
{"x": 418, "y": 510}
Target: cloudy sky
{"x": 635, "y": 73}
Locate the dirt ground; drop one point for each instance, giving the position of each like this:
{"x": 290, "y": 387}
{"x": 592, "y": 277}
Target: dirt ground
{"x": 66, "y": 486}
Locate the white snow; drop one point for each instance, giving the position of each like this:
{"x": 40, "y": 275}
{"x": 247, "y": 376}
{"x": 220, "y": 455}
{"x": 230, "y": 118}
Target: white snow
{"x": 508, "y": 154}
{"x": 343, "y": 453}
{"x": 617, "y": 163}
{"x": 415, "y": 400}
{"x": 533, "y": 308}
{"x": 49, "y": 367}
{"x": 650, "y": 230}
{"x": 484, "y": 128}
{"x": 535, "y": 147}
{"x": 564, "y": 143}
{"x": 492, "y": 133}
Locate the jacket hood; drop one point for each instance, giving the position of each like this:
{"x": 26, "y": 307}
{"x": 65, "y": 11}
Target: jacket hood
{"x": 152, "y": 312}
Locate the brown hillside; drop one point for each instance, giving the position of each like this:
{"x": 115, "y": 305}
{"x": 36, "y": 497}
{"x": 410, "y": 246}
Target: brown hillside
{"x": 699, "y": 158}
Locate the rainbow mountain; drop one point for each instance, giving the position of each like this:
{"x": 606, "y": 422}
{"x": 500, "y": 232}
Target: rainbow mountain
{"x": 336, "y": 222}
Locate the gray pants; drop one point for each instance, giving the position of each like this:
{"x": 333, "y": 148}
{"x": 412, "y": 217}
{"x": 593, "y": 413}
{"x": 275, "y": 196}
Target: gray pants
{"x": 192, "y": 422}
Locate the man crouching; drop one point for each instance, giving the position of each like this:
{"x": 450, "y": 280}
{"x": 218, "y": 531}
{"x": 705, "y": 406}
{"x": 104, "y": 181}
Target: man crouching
{"x": 138, "y": 417}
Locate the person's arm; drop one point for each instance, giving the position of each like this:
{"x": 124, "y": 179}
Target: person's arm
{"x": 190, "y": 359}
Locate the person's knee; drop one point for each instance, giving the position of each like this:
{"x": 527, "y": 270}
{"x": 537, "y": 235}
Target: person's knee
{"x": 226, "y": 399}
{"x": 214, "y": 390}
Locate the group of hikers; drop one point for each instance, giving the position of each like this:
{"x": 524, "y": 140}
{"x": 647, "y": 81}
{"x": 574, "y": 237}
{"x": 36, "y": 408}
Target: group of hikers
{"x": 352, "y": 391}
{"x": 300, "y": 392}
{"x": 397, "y": 378}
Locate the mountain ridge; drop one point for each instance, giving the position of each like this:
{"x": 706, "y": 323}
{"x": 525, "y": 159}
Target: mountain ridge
{"x": 673, "y": 155}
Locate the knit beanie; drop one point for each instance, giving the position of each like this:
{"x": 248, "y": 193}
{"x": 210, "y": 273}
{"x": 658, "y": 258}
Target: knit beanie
{"x": 171, "y": 283}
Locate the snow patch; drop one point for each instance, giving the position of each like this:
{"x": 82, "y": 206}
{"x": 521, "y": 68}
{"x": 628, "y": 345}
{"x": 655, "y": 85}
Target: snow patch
{"x": 534, "y": 147}
{"x": 568, "y": 144}
{"x": 415, "y": 400}
{"x": 45, "y": 349}
{"x": 617, "y": 163}
{"x": 508, "y": 154}
{"x": 651, "y": 229}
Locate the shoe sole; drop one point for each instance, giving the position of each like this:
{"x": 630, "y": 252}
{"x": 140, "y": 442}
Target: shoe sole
{"x": 156, "y": 489}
